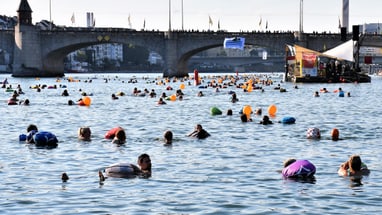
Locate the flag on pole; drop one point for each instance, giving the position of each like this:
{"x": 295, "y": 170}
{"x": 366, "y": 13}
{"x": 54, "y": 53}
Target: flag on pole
{"x": 219, "y": 24}
{"x": 339, "y": 22}
{"x": 378, "y": 28}
{"x": 73, "y": 19}
{"x": 144, "y": 23}
{"x": 129, "y": 20}
{"x": 210, "y": 21}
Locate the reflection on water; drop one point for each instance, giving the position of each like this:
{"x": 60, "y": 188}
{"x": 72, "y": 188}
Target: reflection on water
{"x": 236, "y": 170}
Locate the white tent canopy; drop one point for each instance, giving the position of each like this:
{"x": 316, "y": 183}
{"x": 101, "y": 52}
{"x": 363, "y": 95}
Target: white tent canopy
{"x": 344, "y": 51}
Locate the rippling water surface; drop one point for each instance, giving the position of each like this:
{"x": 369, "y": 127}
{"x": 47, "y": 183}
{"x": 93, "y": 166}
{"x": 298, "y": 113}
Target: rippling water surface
{"x": 235, "y": 171}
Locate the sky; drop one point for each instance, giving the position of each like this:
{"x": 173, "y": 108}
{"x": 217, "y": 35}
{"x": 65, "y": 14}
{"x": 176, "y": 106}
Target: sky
{"x": 232, "y": 15}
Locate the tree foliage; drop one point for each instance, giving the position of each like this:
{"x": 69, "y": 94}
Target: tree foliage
{"x": 135, "y": 55}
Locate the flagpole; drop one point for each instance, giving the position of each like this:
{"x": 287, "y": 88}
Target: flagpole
{"x": 169, "y": 15}
{"x": 50, "y": 14}
{"x": 182, "y": 17}
{"x": 301, "y": 16}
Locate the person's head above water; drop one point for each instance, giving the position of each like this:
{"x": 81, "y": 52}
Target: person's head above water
{"x": 168, "y": 137}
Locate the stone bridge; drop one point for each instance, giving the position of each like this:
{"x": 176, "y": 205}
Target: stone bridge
{"x": 38, "y": 52}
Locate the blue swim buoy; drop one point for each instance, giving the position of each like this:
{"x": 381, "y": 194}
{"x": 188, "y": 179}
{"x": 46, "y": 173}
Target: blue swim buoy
{"x": 45, "y": 138}
{"x": 288, "y": 120}
{"x": 22, "y": 137}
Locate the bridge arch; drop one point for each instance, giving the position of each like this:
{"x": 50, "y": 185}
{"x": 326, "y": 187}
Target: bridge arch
{"x": 56, "y": 48}
{"x": 189, "y": 48}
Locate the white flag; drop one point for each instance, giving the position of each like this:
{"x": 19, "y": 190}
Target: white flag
{"x": 210, "y": 20}
{"x": 73, "y": 19}
{"x": 129, "y": 20}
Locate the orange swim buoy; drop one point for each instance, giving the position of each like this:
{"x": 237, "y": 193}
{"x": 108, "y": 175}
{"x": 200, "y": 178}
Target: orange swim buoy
{"x": 272, "y": 109}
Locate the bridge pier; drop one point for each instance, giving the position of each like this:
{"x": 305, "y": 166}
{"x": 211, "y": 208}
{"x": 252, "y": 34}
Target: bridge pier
{"x": 27, "y": 51}
{"x": 28, "y": 60}
{"x": 173, "y": 66}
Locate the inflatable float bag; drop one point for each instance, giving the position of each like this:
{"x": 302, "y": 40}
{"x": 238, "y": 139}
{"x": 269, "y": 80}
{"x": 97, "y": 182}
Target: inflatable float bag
{"x": 299, "y": 168}
{"x": 44, "y": 138}
{"x": 288, "y": 120}
{"x": 272, "y": 109}
{"x": 120, "y": 170}
{"x": 22, "y": 137}
{"x": 215, "y": 111}
{"x": 313, "y": 133}
{"x": 111, "y": 133}
{"x": 87, "y": 100}
{"x": 247, "y": 110}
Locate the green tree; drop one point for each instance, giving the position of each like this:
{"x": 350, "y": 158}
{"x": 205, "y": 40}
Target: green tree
{"x": 107, "y": 64}
{"x": 135, "y": 55}
{"x": 81, "y": 56}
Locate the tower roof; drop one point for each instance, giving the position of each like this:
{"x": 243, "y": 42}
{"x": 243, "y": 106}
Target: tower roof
{"x": 24, "y": 6}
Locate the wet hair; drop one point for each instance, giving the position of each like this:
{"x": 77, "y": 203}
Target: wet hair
{"x": 32, "y": 127}
{"x": 168, "y": 137}
{"x": 289, "y": 162}
{"x": 141, "y": 158}
{"x": 355, "y": 163}
{"x": 120, "y": 135}
{"x": 229, "y": 112}
{"x": 84, "y": 133}
{"x": 258, "y": 111}
{"x": 335, "y": 134}
{"x": 265, "y": 118}
{"x": 244, "y": 118}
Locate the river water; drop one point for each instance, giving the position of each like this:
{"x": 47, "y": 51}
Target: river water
{"x": 235, "y": 171}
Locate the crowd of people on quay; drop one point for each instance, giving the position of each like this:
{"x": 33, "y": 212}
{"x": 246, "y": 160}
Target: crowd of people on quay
{"x": 292, "y": 168}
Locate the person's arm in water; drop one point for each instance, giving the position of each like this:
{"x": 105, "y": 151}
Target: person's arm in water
{"x": 343, "y": 170}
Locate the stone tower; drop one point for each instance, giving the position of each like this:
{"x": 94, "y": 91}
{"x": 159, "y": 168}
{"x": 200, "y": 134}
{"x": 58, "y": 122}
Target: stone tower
{"x": 24, "y": 13}
{"x": 27, "y": 51}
